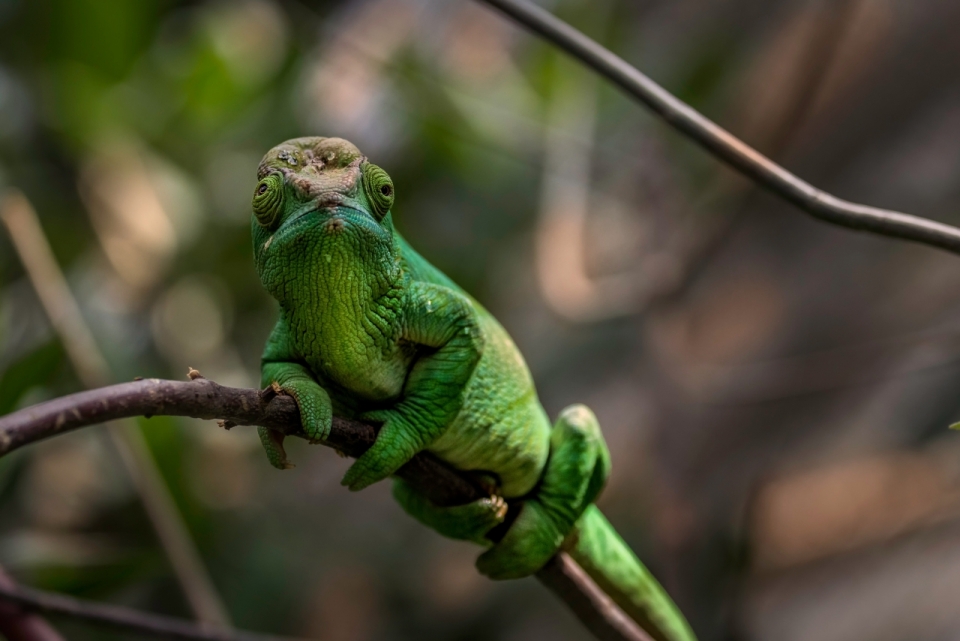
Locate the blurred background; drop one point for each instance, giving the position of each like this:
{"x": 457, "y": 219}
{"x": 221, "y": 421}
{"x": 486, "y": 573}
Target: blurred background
{"x": 775, "y": 392}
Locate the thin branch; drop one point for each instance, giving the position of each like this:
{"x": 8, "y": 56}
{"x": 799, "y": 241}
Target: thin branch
{"x": 118, "y": 617}
{"x": 594, "y": 607}
{"x": 19, "y": 624}
{"x": 20, "y": 219}
{"x": 722, "y": 143}
{"x": 205, "y": 399}
{"x": 776, "y": 130}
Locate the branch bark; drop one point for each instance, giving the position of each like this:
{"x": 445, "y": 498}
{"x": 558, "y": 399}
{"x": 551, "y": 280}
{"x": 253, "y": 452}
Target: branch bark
{"x": 721, "y": 143}
{"x": 205, "y": 399}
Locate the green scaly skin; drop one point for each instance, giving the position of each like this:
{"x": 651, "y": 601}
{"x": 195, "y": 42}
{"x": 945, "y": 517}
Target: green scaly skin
{"x": 368, "y": 329}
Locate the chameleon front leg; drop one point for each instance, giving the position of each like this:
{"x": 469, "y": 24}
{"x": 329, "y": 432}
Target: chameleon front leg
{"x": 444, "y": 323}
{"x": 316, "y": 411}
{"x": 576, "y": 472}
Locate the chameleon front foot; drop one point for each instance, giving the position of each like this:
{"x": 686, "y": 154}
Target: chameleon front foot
{"x": 397, "y": 443}
{"x": 316, "y": 410}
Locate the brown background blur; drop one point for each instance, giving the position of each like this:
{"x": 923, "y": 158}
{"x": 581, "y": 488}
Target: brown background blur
{"x": 775, "y": 392}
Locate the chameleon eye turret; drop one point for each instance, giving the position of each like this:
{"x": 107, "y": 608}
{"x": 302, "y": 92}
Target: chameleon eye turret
{"x": 268, "y": 200}
{"x": 379, "y": 189}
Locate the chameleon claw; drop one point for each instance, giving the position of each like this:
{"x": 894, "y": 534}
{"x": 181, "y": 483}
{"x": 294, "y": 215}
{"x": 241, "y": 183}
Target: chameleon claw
{"x": 501, "y": 506}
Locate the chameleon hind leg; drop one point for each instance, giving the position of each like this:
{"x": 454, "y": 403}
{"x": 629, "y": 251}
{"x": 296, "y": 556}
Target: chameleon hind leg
{"x": 575, "y": 473}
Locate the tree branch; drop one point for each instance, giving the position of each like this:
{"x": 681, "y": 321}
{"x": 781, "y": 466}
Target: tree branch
{"x": 117, "y": 617}
{"x": 18, "y": 624}
{"x": 721, "y": 143}
{"x": 205, "y": 399}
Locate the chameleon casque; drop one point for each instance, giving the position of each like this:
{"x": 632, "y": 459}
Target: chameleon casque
{"x": 368, "y": 329}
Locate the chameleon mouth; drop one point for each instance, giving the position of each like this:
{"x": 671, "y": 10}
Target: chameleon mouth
{"x": 331, "y": 219}
{"x": 332, "y": 211}
{"x": 293, "y": 221}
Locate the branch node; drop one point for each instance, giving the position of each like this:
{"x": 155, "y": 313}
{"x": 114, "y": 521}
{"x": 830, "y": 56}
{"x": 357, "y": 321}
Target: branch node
{"x": 266, "y": 393}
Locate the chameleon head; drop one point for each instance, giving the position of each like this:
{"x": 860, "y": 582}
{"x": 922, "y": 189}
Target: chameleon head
{"x": 321, "y": 213}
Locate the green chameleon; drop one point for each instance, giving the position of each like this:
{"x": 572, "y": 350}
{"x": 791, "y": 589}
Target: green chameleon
{"x": 368, "y": 329}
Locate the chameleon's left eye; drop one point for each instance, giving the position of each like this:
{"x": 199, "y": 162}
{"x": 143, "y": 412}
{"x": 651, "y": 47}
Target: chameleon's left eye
{"x": 379, "y": 189}
{"x": 268, "y": 199}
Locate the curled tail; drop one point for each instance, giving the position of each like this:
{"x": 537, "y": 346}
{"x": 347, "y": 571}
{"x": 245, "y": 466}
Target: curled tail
{"x": 616, "y": 569}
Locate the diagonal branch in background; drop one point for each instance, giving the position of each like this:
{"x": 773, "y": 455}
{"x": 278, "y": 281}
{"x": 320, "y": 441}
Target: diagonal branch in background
{"x": 17, "y": 214}
{"x": 722, "y": 143}
{"x": 799, "y": 91}
{"x": 19, "y": 624}
{"x": 204, "y": 399}
{"x": 164, "y": 627}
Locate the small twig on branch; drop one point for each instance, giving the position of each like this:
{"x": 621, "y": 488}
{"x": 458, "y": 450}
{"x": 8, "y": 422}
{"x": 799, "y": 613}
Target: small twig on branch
{"x": 117, "y": 617}
{"x": 722, "y": 143}
{"x": 204, "y": 399}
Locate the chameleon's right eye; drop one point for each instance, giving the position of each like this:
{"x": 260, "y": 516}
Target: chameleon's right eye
{"x": 268, "y": 199}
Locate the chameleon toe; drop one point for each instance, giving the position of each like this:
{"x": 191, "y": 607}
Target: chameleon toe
{"x": 272, "y": 441}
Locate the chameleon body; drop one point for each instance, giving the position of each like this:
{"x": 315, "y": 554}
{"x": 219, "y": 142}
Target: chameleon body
{"x": 368, "y": 329}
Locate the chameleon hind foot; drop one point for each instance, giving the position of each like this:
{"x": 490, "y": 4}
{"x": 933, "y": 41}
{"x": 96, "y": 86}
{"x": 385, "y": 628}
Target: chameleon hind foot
{"x": 576, "y": 472}
{"x": 469, "y": 522}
